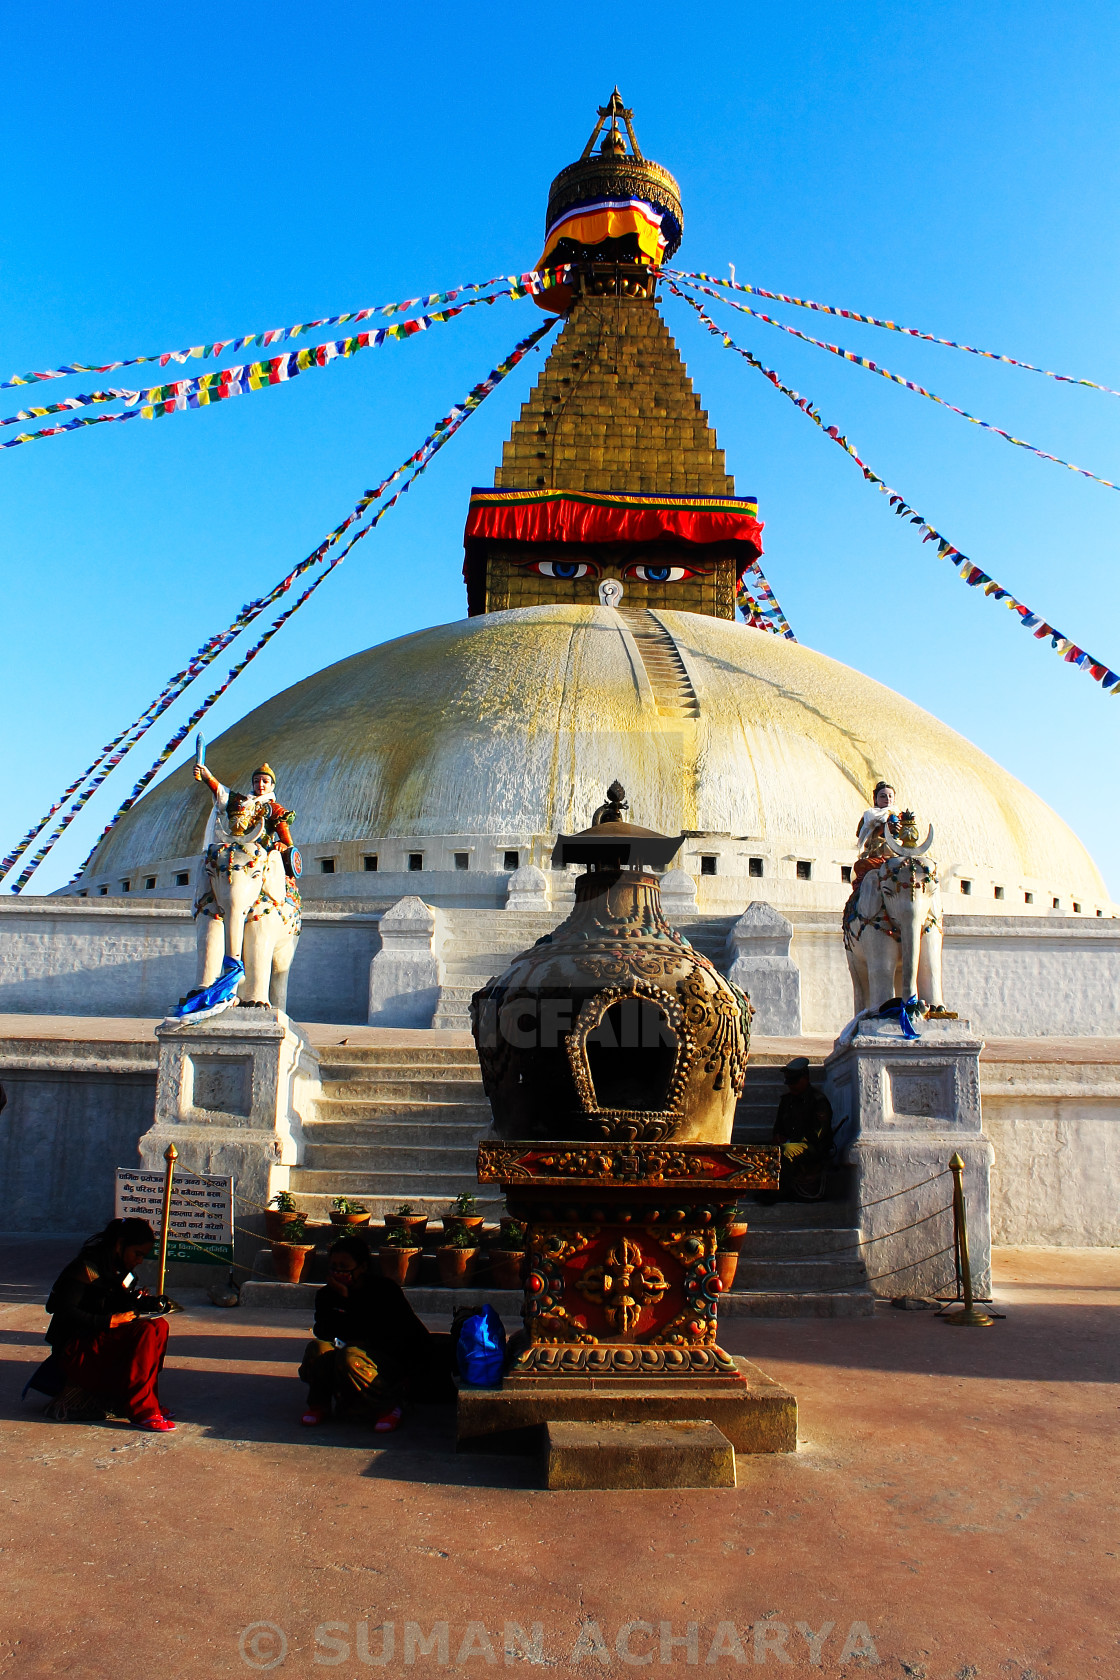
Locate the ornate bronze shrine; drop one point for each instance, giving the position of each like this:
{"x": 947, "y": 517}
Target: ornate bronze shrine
{"x": 613, "y": 1054}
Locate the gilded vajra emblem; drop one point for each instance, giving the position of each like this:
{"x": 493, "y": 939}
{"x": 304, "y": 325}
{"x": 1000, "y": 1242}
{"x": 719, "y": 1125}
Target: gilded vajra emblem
{"x": 624, "y": 1285}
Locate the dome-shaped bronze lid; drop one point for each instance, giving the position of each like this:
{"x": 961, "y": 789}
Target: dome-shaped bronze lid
{"x": 615, "y": 173}
{"x": 614, "y": 842}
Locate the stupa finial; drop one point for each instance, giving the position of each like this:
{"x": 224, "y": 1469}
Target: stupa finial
{"x": 613, "y": 144}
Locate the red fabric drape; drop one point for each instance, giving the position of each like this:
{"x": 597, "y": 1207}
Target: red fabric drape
{"x": 574, "y": 517}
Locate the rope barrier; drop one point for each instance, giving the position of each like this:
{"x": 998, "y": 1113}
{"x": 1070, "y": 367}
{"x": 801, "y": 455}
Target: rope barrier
{"x": 944, "y": 1173}
{"x": 865, "y": 1242}
{"x": 910, "y": 1264}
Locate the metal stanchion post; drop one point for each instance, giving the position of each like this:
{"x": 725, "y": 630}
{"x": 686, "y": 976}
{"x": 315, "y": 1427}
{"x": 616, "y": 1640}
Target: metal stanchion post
{"x": 970, "y": 1315}
{"x": 170, "y": 1155}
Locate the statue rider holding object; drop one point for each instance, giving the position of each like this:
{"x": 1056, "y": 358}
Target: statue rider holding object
{"x": 881, "y": 818}
{"x": 260, "y": 806}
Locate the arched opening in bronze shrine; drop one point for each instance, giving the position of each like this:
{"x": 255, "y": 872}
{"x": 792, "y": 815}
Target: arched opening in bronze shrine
{"x": 631, "y": 1056}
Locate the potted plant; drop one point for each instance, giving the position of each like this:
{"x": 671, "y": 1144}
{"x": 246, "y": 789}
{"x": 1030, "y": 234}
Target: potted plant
{"x": 462, "y": 1215}
{"x": 291, "y": 1250}
{"x": 456, "y": 1259}
{"x": 346, "y": 1212}
{"x": 406, "y": 1218}
{"x": 281, "y": 1212}
{"x": 399, "y": 1256}
{"x": 728, "y": 1241}
{"x": 508, "y": 1261}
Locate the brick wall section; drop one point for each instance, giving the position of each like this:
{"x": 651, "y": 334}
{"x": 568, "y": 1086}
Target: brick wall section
{"x": 614, "y": 409}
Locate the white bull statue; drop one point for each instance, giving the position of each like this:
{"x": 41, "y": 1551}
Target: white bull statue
{"x": 893, "y": 930}
{"x": 249, "y": 914}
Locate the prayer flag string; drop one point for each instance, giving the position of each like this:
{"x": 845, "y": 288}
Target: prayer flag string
{"x": 762, "y": 609}
{"x": 874, "y": 367}
{"x": 891, "y": 326}
{"x": 160, "y": 400}
{"x": 970, "y": 574}
{"x": 278, "y": 335}
{"x": 417, "y": 461}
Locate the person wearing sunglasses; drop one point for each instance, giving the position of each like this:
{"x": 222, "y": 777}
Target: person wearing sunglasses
{"x": 369, "y": 1349}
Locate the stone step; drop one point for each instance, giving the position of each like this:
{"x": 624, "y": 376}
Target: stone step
{"x": 371, "y": 1108}
{"x": 797, "y": 1242}
{"x": 466, "y": 1067}
{"x": 417, "y": 1090}
{"x": 399, "y": 1056}
{"x": 388, "y": 1159}
{"x": 317, "y": 1203}
{"x": 798, "y": 1275}
{"x": 797, "y": 1303}
{"x": 421, "y": 1188}
{"x": 794, "y": 1215}
{"x": 433, "y": 1133}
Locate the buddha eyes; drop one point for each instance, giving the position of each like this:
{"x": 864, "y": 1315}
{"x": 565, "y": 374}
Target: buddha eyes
{"x": 563, "y": 568}
{"x": 660, "y": 574}
{"x": 568, "y": 569}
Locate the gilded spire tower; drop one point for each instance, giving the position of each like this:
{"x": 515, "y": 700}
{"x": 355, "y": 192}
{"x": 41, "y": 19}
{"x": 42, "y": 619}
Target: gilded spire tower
{"x": 612, "y": 474}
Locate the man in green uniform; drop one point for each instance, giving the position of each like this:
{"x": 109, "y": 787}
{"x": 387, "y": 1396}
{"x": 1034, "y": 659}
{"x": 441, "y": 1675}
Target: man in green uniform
{"x": 803, "y": 1128}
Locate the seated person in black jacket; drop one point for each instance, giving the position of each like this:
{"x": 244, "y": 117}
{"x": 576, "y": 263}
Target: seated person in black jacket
{"x": 107, "y": 1350}
{"x": 370, "y": 1350}
{"x": 803, "y": 1128}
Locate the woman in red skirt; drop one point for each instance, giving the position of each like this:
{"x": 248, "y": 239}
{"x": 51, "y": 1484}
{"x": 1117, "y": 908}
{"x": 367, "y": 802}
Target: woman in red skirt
{"x": 110, "y": 1351}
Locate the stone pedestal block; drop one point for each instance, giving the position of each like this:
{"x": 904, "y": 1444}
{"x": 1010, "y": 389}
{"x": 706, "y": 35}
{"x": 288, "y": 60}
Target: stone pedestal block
{"x": 529, "y": 889}
{"x": 638, "y": 1455}
{"x": 232, "y": 1094}
{"x": 678, "y": 893}
{"x": 406, "y": 974}
{"x": 902, "y": 1107}
{"x": 760, "y": 965}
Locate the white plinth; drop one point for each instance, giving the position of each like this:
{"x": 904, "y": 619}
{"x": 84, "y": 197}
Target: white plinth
{"x": 232, "y": 1094}
{"x": 906, "y": 1105}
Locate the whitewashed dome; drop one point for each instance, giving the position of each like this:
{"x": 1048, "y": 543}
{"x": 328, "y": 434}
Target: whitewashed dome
{"x": 509, "y": 726}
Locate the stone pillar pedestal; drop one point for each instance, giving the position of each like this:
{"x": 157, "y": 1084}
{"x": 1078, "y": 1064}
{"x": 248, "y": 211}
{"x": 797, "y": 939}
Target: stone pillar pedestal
{"x": 678, "y": 893}
{"x": 905, "y": 1105}
{"x": 529, "y": 889}
{"x": 406, "y": 974}
{"x": 232, "y": 1094}
{"x": 758, "y": 946}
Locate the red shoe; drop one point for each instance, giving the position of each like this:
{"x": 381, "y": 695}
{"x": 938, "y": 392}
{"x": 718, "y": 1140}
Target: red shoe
{"x": 388, "y": 1421}
{"x": 315, "y": 1415}
{"x": 157, "y": 1423}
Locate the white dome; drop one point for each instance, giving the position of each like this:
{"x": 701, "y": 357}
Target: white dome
{"x": 512, "y": 724}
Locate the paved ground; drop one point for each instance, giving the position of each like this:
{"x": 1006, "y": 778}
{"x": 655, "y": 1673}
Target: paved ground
{"x": 951, "y": 1511}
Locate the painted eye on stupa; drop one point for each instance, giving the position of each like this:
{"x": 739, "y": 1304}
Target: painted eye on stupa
{"x": 565, "y": 568}
{"x": 659, "y": 574}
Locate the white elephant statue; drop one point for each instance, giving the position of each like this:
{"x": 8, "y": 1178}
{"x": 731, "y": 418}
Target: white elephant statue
{"x": 893, "y": 930}
{"x": 250, "y": 912}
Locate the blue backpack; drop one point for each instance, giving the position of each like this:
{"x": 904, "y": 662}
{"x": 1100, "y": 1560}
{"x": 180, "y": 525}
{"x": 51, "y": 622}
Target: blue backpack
{"x": 480, "y": 1350}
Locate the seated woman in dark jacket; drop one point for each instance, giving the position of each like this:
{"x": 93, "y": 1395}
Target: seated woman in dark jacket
{"x": 109, "y": 1350}
{"x": 369, "y": 1350}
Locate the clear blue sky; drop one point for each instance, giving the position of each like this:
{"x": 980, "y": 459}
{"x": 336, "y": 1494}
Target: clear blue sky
{"x": 178, "y": 173}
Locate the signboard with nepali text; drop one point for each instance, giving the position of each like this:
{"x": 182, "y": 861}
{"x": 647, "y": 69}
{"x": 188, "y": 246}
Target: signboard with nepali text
{"x": 200, "y": 1228}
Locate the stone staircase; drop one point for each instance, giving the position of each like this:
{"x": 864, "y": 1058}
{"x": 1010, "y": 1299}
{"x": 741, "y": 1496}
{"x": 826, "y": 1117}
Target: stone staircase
{"x": 395, "y": 1124}
{"x": 798, "y": 1259}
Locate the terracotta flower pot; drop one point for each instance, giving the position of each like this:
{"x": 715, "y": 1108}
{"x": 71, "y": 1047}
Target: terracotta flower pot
{"x": 453, "y": 1222}
{"x": 348, "y": 1218}
{"x": 737, "y": 1230}
{"x": 276, "y": 1222}
{"x": 401, "y": 1265}
{"x": 727, "y": 1264}
{"x": 506, "y": 1266}
{"x": 456, "y": 1266}
{"x": 415, "y": 1223}
{"x": 288, "y": 1259}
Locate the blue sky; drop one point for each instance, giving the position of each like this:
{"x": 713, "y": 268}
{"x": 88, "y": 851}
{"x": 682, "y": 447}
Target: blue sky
{"x": 175, "y": 174}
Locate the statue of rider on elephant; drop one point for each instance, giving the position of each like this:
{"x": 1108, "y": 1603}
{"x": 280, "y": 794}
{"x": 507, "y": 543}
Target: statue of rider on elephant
{"x": 893, "y": 922}
{"x": 247, "y": 904}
